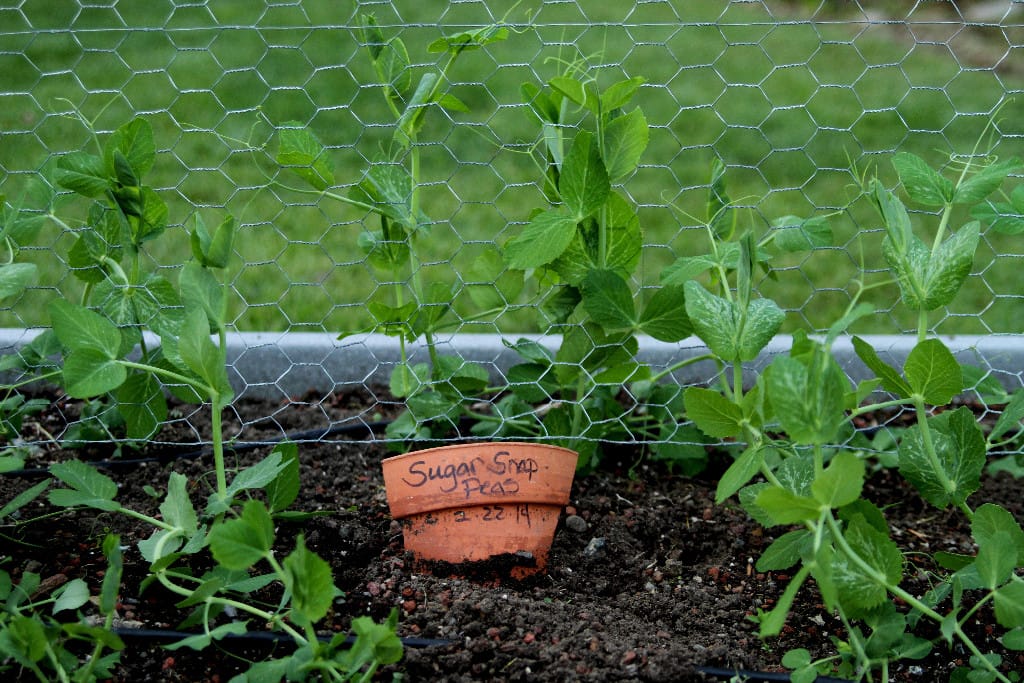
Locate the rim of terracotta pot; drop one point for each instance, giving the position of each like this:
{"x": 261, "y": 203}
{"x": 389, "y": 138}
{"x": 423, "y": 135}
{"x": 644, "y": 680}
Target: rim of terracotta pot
{"x": 478, "y": 473}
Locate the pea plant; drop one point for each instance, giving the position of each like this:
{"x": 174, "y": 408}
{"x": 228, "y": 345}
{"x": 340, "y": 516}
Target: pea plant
{"x": 802, "y": 466}
{"x": 134, "y": 337}
{"x": 34, "y": 639}
{"x": 391, "y": 192}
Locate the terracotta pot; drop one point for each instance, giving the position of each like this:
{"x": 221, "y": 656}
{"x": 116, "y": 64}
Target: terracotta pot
{"x": 477, "y": 501}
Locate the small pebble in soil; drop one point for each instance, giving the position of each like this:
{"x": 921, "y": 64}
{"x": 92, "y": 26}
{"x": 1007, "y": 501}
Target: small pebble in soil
{"x": 576, "y": 523}
{"x": 595, "y": 546}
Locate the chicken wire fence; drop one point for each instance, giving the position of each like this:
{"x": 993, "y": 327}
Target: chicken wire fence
{"x": 797, "y": 100}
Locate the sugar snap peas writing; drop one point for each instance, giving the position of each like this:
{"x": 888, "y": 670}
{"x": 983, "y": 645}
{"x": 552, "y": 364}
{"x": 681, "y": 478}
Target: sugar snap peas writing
{"x": 476, "y": 475}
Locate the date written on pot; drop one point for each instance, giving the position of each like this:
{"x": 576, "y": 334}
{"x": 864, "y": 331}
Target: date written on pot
{"x": 518, "y": 514}
{"x": 500, "y": 475}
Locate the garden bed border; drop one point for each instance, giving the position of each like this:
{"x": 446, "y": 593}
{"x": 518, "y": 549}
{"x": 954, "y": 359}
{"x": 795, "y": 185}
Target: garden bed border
{"x": 288, "y": 364}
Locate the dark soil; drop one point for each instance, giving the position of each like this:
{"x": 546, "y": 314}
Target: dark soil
{"x": 648, "y": 579}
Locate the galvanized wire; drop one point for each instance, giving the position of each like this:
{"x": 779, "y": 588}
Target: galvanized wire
{"x": 796, "y": 98}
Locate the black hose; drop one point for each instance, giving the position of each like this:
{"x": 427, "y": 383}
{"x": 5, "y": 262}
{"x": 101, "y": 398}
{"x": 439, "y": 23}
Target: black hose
{"x": 755, "y": 676}
{"x": 273, "y": 637}
{"x": 167, "y": 635}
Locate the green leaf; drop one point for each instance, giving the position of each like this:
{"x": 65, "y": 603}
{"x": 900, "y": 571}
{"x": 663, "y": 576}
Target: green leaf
{"x": 78, "y": 329}
{"x": 23, "y": 499}
{"x": 922, "y": 183}
{"x": 664, "y": 317}
{"x": 784, "y": 552}
{"x": 990, "y": 519}
{"x": 89, "y": 373}
{"x": 1010, "y": 417}
{"x": 1014, "y": 640}
{"x": 16, "y": 277}
{"x": 951, "y": 265}
{"x": 625, "y": 139}
{"x": 587, "y": 348}
{"x": 960, "y": 452}
{"x": 407, "y": 380}
{"x": 1004, "y": 217}
{"x": 177, "y": 509}
{"x": 1009, "y": 604}
{"x": 892, "y": 381}
{"x": 933, "y": 373}
{"x": 739, "y": 473}
{"x": 542, "y": 241}
{"x": 996, "y": 560}
{"x": 608, "y": 300}
{"x": 929, "y": 280}
{"x": 899, "y": 230}
{"x": 795, "y": 234}
{"x": 387, "y": 187}
{"x": 491, "y": 284}
{"x": 841, "y": 482}
{"x": 715, "y": 320}
{"x": 212, "y": 251}
{"x": 390, "y": 58}
{"x": 200, "y": 354}
{"x": 714, "y": 414}
{"x": 858, "y": 589}
{"x": 380, "y": 640}
{"x": 141, "y": 402}
{"x": 773, "y": 621}
{"x": 460, "y": 378}
{"x": 303, "y": 154}
{"x": 242, "y": 542}
{"x": 985, "y": 181}
{"x": 259, "y": 475}
{"x": 111, "y": 586}
{"x": 83, "y": 173}
{"x": 134, "y": 142}
{"x": 718, "y": 208}
{"x": 411, "y": 121}
{"x": 469, "y": 40}
{"x": 284, "y": 488}
{"x": 24, "y": 639}
{"x": 71, "y": 595}
{"x": 572, "y": 89}
{"x": 785, "y": 507}
{"x": 809, "y": 400}
{"x": 86, "y": 487}
{"x": 730, "y": 333}
{"x": 583, "y": 183}
{"x": 201, "y": 289}
{"x": 686, "y": 268}
{"x": 623, "y": 243}
{"x": 618, "y": 95}
{"x": 309, "y": 579}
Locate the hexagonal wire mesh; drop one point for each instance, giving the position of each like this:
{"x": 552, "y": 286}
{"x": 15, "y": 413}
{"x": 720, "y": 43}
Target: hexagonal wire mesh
{"x": 796, "y": 99}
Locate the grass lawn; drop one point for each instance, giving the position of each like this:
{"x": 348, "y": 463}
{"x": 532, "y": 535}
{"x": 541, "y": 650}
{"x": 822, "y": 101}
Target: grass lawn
{"x": 786, "y": 98}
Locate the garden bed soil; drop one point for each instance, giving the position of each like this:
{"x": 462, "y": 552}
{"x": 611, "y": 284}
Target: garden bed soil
{"x": 649, "y": 579}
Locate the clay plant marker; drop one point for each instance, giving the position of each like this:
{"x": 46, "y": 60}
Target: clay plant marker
{"x": 478, "y": 501}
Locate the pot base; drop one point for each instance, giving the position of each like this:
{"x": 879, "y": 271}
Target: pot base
{"x": 522, "y": 532}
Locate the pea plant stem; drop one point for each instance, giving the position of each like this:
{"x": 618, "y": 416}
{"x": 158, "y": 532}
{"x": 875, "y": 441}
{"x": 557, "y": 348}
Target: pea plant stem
{"x": 906, "y": 597}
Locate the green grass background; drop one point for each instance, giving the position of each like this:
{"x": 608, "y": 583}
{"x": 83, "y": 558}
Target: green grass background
{"x": 786, "y": 94}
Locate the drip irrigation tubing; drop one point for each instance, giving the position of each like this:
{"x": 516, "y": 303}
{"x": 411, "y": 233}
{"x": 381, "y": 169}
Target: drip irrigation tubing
{"x": 256, "y": 637}
{"x": 758, "y": 676}
{"x": 271, "y": 637}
